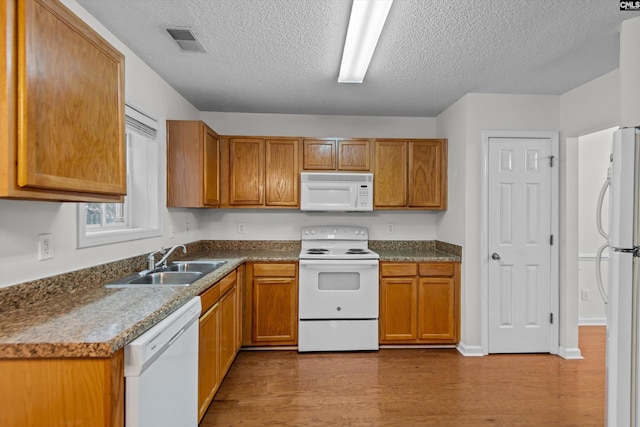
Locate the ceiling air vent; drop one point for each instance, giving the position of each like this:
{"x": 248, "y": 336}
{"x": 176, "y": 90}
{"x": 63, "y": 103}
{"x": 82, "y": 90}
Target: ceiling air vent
{"x": 185, "y": 39}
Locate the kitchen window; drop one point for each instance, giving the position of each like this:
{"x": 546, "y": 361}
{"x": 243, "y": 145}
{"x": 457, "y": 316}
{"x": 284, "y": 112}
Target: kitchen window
{"x": 140, "y": 214}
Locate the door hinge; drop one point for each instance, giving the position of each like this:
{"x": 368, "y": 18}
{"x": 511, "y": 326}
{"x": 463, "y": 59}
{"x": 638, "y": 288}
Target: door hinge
{"x": 551, "y": 318}
{"x": 551, "y": 240}
{"x": 551, "y": 160}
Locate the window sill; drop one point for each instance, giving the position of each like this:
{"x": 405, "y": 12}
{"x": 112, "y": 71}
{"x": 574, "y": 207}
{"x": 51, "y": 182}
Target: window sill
{"x": 105, "y": 237}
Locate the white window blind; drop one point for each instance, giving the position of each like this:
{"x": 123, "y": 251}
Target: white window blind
{"x": 139, "y": 122}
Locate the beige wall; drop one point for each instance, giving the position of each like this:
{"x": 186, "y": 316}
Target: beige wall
{"x": 463, "y": 123}
{"x": 629, "y": 73}
{"x": 593, "y": 160}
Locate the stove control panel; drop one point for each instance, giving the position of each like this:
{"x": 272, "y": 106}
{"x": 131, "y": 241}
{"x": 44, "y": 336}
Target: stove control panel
{"x": 334, "y": 232}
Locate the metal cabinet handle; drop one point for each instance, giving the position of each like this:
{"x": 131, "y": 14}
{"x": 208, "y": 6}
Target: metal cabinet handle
{"x": 495, "y": 256}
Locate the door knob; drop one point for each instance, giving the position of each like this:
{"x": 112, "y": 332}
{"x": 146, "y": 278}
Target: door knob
{"x": 495, "y": 256}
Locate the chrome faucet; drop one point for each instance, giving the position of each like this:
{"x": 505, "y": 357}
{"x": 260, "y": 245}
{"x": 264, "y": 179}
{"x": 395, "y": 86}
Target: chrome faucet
{"x": 151, "y": 259}
{"x": 163, "y": 261}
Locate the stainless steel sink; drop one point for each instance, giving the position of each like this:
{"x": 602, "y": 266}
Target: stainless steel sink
{"x": 202, "y": 266}
{"x": 179, "y": 273}
{"x": 172, "y": 278}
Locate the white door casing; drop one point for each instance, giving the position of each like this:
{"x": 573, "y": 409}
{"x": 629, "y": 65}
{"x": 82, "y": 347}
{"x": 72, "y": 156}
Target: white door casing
{"x": 521, "y": 216}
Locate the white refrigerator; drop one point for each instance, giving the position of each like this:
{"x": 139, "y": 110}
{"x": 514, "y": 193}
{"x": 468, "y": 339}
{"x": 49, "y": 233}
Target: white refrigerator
{"x": 623, "y": 307}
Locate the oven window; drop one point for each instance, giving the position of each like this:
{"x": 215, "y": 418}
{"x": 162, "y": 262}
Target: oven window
{"x": 338, "y": 281}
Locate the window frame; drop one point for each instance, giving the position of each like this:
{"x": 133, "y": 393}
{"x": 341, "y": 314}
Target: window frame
{"x": 140, "y": 223}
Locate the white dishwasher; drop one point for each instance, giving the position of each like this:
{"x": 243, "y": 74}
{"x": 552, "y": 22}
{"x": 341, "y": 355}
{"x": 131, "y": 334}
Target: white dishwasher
{"x": 161, "y": 372}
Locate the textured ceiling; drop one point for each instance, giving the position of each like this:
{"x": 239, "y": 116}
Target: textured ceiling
{"x": 283, "y": 56}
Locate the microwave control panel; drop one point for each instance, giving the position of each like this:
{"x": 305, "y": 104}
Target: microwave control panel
{"x": 365, "y": 196}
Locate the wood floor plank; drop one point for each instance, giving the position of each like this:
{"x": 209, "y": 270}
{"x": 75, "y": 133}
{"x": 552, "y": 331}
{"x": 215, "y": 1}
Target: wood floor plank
{"x": 413, "y": 387}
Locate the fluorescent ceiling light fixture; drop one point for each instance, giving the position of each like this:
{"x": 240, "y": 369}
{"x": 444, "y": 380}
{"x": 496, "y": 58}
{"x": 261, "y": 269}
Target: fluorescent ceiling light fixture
{"x": 365, "y": 25}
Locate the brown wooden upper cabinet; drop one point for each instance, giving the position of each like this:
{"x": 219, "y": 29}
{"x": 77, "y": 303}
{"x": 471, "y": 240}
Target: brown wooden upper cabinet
{"x": 260, "y": 172}
{"x": 63, "y": 90}
{"x": 410, "y": 174}
{"x": 193, "y": 165}
{"x": 351, "y": 155}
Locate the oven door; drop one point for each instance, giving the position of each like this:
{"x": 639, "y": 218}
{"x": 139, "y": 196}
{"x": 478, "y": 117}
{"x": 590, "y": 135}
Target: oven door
{"x": 338, "y": 289}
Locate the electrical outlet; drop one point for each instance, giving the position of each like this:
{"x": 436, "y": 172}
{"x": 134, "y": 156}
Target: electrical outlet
{"x": 172, "y": 231}
{"x": 186, "y": 227}
{"x": 391, "y": 228}
{"x": 584, "y": 294}
{"x": 45, "y": 246}
{"x": 242, "y": 228}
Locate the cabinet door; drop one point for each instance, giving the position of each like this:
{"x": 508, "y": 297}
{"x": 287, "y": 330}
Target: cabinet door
{"x": 281, "y": 179}
{"x": 228, "y": 331}
{"x": 428, "y": 174}
{"x": 184, "y": 163}
{"x": 211, "y": 178}
{"x": 398, "y": 309}
{"x": 240, "y": 305}
{"x": 71, "y": 104}
{"x": 436, "y": 309}
{"x": 208, "y": 349}
{"x": 275, "y": 315}
{"x": 193, "y": 165}
{"x": 318, "y": 154}
{"x": 390, "y": 174}
{"x": 85, "y": 391}
{"x": 354, "y": 155}
{"x": 246, "y": 171}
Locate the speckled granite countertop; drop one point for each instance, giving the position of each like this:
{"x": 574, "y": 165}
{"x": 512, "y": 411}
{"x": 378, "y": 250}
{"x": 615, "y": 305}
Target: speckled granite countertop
{"x": 416, "y": 251}
{"x": 96, "y": 321}
{"x": 73, "y": 315}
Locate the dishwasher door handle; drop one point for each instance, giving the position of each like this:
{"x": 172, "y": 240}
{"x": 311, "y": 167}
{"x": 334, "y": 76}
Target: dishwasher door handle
{"x": 176, "y": 336}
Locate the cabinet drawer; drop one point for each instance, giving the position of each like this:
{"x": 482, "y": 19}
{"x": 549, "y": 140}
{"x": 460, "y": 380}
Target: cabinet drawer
{"x": 436, "y": 269}
{"x": 274, "y": 270}
{"x": 228, "y": 282}
{"x": 389, "y": 269}
{"x": 209, "y": 297}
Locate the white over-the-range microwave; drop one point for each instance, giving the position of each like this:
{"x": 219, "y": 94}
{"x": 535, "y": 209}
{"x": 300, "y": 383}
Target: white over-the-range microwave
{"x": 344, "y": 192}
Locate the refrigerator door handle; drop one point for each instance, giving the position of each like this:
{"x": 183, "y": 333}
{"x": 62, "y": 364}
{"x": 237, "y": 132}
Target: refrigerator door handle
{"x": 601, "y": 289}
{"x": 603, "y": 191}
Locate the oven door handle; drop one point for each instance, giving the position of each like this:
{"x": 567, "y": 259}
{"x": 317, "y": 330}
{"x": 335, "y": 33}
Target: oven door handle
{"x": 341, "y": 264}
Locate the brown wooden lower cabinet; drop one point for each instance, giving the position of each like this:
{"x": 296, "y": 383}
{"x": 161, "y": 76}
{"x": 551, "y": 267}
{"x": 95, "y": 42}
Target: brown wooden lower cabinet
{"x": 90, "y": 391}
{"x": 219, "y": 332}
{"x": 62, "y": 392}
{"x": 419, "y": 303}
{"x": 271, "y": 304}
{"x": 208, "y": 376}
{"x": 228, "y": 335}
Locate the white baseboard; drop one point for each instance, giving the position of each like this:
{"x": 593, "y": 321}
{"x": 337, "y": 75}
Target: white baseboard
{"x": 470, "y": 350}
{"x": 570, "y": 353}
{"x": 592, "y": 321}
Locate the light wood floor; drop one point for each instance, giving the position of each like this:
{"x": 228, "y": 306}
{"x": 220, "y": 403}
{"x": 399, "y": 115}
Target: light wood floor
{"x": 413, "y": 387}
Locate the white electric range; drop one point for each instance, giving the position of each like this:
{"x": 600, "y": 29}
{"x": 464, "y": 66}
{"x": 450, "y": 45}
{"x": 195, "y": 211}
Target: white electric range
{"x": 338, "y": 290}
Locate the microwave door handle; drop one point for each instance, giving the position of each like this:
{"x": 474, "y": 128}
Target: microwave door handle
{"x": 354, "y": 196}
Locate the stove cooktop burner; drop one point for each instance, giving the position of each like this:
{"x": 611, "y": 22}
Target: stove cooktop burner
{"x": 317, "y": 251}
{"x": 357, "y": 251}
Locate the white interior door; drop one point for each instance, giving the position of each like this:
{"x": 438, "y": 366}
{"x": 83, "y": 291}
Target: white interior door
{"x": 519, "y": 243}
